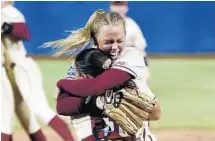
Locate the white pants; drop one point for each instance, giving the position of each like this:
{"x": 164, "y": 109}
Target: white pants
{"x": 8, "y": 107}
{"x": 29, "y": 81}
{"x": 7, "y": 104}
{"x": 82, "y": 126}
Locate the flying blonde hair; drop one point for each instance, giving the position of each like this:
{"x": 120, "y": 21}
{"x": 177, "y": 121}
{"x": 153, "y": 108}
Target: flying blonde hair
{"x": 83, "y": 36}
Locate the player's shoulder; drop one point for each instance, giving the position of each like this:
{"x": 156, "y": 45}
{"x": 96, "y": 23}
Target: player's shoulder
{"x": 12, "y": 14}
{"x": 131, "y": 51}
{"x": 132, "y": 56}
{"x": 131, "y": 60}
{"x": 129, "y": 19}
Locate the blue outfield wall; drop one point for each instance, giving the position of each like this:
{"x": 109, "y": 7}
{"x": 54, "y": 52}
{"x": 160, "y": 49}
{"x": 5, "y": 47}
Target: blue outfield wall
{"x": 169, "y": 27}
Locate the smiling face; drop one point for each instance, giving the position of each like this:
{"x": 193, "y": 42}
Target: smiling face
{"x": 111, "y": 40}
{"x": 109, "y": 33}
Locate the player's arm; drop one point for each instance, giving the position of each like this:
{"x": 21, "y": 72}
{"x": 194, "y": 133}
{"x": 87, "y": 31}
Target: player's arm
{"x": 16, "y": 30}
{"x": 122, "y": 70}
{"x": 94, "y": 86}
{"x": 156, "y": 112}
{"x": 68, "y": 105}
{"x": 14, "y": 25}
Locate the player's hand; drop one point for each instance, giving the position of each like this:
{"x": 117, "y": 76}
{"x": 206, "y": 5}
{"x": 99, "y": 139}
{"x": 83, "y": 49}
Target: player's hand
{"x": 109, "y": 97}
{"x": 100, "y": 102}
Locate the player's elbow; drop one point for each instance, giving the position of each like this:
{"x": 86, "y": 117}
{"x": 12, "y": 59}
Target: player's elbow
{"x": 68, "y": 105}
{"x": 155, "y": 116}
{"x": 64, "y": 109}
{"x": 21, "y": 31}
{"x": 60, "y": 109}
{"x": 156, "y": 112}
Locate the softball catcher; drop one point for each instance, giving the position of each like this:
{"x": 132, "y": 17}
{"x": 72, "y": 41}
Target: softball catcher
{"x": 123, "y": 104}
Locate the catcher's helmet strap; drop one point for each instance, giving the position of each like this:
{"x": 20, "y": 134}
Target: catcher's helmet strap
{"x": 101, "y": 134}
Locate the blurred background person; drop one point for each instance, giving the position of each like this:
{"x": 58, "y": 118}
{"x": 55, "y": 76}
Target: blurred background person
{"x": 23, "y": 78}
{"x": 11, "y": 99}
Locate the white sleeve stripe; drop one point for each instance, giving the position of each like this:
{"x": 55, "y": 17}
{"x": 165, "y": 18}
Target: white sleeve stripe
{"x": 125, "y": 69}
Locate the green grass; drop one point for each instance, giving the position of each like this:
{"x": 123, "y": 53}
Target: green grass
{"x": 52, "y": 71}
{"x": 185, "y": 89}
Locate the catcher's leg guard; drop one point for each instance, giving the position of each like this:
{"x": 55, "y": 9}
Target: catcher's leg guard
{"x": 102, "y": 132}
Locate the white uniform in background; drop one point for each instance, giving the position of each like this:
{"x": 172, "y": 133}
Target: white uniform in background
{"x": 28, "y": 79}
{"x": 17, "y": 53}
{"x": 134, "y": 36}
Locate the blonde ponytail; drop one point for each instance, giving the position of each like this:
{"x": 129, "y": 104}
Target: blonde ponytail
{"x": 77, "y": 39}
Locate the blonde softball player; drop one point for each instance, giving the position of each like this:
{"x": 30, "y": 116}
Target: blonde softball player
{"x": 27, "y": 78}
{"x": 134, "y": 35}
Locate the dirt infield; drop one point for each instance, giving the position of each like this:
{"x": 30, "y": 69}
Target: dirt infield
{"x": 167, "y": 135}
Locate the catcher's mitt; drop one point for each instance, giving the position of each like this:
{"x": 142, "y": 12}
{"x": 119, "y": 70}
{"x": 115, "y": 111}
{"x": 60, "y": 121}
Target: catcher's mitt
{"x": 124, "y": 118}
{"x": 138, "y": 99}
{"x": 128, "y": 108}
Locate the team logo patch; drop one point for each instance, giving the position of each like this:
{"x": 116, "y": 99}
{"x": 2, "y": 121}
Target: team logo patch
{"x": 71, "y": 72}
{"x": 120, "y": 63}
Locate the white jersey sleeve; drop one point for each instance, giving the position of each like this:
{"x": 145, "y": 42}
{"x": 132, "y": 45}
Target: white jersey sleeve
{"x": 16, "y": 49}
{"x": 131, "y": 61}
